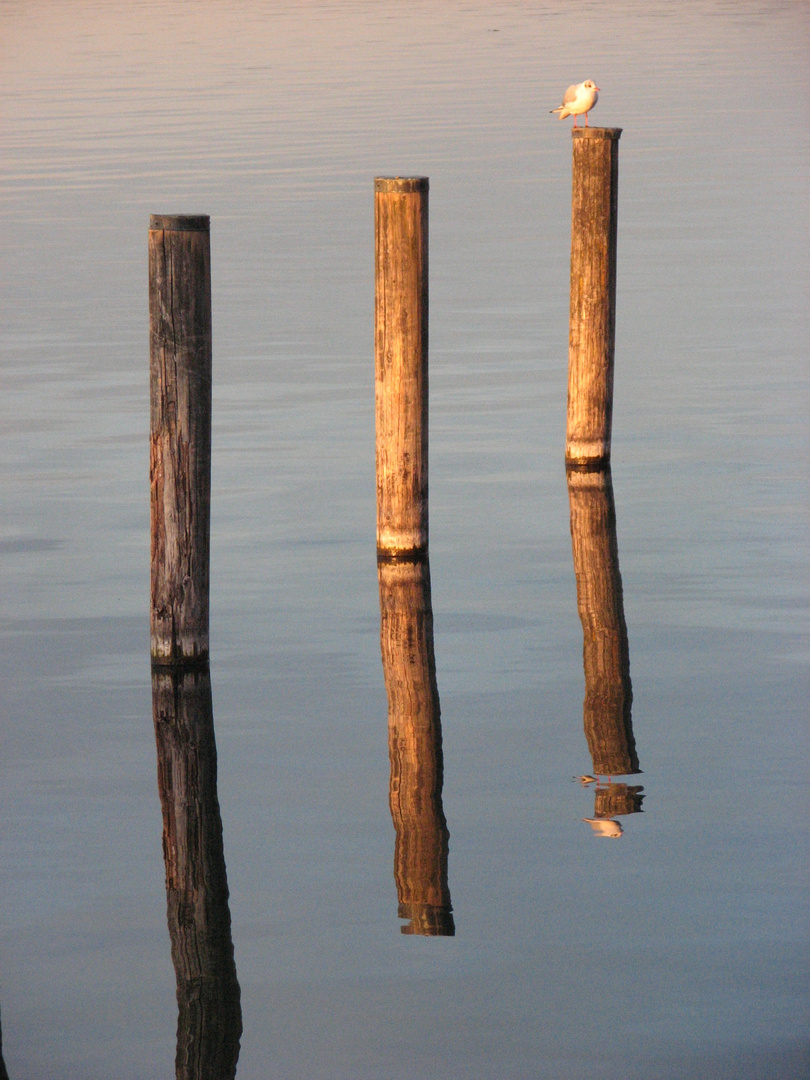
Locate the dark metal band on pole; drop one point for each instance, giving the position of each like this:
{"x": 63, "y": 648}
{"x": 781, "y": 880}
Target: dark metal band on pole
{"x": 180, "y": 436}
{"x": 594, "y": 216}
{"x": 401, "y": 364}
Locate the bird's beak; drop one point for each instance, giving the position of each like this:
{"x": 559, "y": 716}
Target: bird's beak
{"x": 597, "y": 88}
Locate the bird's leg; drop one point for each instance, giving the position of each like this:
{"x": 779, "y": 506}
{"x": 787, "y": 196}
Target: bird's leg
{"x": 575, "y": 121}
{"x": 586, "y": 119}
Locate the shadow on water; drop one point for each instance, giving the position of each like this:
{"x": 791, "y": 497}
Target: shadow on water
{"x": 606, "y": 655}
{"x": 415, "y": 748}
{"x": 209, "y": 1021}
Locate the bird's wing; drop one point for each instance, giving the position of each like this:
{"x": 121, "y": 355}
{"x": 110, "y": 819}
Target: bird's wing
{"x": 571, "y": 94}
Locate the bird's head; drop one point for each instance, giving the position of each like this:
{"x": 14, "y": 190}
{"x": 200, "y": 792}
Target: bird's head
{"x": 589, "y": 84}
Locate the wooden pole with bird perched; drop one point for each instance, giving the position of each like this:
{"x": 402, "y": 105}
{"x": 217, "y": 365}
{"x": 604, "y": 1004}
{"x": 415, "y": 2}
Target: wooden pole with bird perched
{"x": 180, "y": 436}
{"x": 401, "y": 365}
{"x": 594, "y": 216}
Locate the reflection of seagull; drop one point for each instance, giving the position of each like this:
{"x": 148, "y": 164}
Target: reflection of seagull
{"x": 586, "y": 780}
{"x": 605, "y": 827}
{"x": 578, "y": 99}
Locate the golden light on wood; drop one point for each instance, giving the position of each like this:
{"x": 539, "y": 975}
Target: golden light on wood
{"x": 401, "y": 363}
{"x": 592, "y": 325}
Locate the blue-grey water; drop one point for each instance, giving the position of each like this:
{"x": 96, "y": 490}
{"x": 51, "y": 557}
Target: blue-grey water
{"x": 681, "y": 949}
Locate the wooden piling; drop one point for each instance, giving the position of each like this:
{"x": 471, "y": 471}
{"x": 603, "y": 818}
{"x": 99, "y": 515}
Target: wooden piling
{"x": 594, "y": 215}
{"x": 180, "y": 436}
{"x": 401, "y": 364}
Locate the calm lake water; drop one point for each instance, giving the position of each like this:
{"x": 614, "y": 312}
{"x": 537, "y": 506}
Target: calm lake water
{"x": 680, "y": 950}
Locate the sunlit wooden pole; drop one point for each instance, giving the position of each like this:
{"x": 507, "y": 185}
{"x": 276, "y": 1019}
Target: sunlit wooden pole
{"x": 180, "y": 436}
{"x": 401, "y": 363}
{"x": 594, "y": 215}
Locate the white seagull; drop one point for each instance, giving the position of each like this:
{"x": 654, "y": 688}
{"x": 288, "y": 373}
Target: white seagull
{"x": 578, "y": 99}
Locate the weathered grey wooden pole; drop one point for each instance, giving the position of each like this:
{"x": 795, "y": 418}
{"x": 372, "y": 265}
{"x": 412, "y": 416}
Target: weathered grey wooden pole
{"x": 401, "y": 364}
{"x": 180, "y": 436}
{"x": 594, "y": 213}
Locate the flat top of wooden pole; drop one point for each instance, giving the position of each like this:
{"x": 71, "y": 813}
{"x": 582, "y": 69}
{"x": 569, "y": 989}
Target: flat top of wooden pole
{"x": 596, "y": 133}
{"x": 180, "y": 222}
{"x": 401, "y": 183}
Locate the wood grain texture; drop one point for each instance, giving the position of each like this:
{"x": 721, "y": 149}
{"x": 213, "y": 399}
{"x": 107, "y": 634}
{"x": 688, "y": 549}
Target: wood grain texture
{"x": 614, "y": 799}
{"x": 180, "y": 436}
{"x": 209, "y": 1022}
{"x": 415, "y": 748}
{"x": 606, "y": 653}
{"x": 594, "y": 221}
{"x": 401, "y": 363}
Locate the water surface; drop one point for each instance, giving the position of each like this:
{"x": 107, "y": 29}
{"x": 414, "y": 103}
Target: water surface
{"x": 678, "y": 949}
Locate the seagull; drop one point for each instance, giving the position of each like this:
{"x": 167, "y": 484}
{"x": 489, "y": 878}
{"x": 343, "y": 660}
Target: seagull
{"x": 578, "y": 99}
{"x": 607, "y": 827}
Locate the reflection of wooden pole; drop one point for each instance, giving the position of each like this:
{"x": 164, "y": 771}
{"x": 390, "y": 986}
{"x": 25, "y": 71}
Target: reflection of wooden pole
{"x": 595, "y": 200}
{"x": 209, "y": 1022}
{"x": 415, "y": 748}
{"x": 608, "y": 691}
{"x": 180, "y": 443}
{"x": 3, "y": 1072}
{"x": 617, "y": 799}
{"x": 401, "y": 363}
